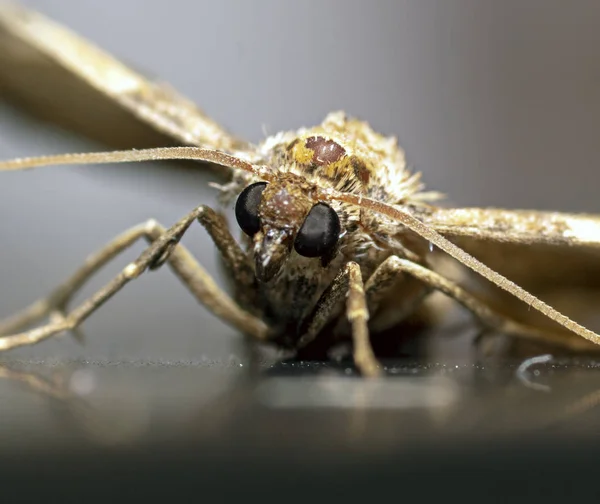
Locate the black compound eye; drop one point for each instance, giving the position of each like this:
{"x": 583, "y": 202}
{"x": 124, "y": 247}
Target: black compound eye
{"x": 319, "y": 233}
{"x": 246, "y": 208}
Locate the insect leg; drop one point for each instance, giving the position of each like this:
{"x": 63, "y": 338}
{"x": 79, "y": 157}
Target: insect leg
{"x": 486, "y": 315}
{"x": 56, "y": 302}
{"x": 163, "y": 247}
{"x": 381, "y": 284}
{"x": 348, "y": 284}
{"x": 237, "y": 262}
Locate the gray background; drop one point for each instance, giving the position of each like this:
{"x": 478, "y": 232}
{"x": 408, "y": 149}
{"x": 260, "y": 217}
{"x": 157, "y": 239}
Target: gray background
{"x": 496, "y": 102}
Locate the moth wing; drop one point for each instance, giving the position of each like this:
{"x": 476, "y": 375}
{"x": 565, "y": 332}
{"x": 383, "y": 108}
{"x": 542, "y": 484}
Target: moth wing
{"x": 555, "y": 256}
{"x": 64, "y": 78}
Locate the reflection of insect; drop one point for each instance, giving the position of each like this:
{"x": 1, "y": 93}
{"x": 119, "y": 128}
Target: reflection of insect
{"x": 339, "y": 238}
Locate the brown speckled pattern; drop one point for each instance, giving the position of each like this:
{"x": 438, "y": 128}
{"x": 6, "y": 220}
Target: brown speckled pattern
{"x": 344, "y": 154}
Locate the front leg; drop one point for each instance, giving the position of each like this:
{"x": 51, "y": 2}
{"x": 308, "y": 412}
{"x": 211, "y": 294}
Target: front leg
{"x": 389, "y": 272}
{"x": 237, "y": 263}
{"x": 348, "y": 285}
{"x": 164, "y": 246}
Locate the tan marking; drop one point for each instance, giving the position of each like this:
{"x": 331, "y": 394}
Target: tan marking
{"x": 131, "y": 271}
{"x": 300, "y": 153}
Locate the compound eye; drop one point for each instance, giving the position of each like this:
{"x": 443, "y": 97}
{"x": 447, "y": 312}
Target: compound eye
{"x": 246, "y": 208}
{"x": 319, "y": 233}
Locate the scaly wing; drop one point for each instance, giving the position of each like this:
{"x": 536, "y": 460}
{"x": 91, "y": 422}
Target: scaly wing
{"x": 62, "y": 77}
{"x": 553, "y": 255}
{"x": 541, "y": 247}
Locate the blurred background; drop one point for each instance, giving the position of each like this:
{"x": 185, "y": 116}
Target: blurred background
{"x": 497, "y": 103}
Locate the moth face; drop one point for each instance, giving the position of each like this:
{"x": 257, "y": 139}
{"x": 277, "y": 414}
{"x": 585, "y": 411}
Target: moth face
{"x": 279, "y": 218}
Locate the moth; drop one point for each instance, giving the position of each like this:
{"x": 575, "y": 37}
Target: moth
{"x": 339, "y": 239}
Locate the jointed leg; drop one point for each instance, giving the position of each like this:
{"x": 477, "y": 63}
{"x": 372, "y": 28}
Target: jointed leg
{"x": 488, "y": 317}
{"x": 348, "y": 284}
{"x": 164, "y": 247}
{"x": 383, "y": 283}
{"x": 57, "y": 301}
{"x": 237, "y": 262}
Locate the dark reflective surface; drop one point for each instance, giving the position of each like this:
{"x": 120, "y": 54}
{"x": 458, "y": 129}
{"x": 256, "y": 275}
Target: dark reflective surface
{"x": 312, "y": 406}
{"x": 260, "y": 418}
